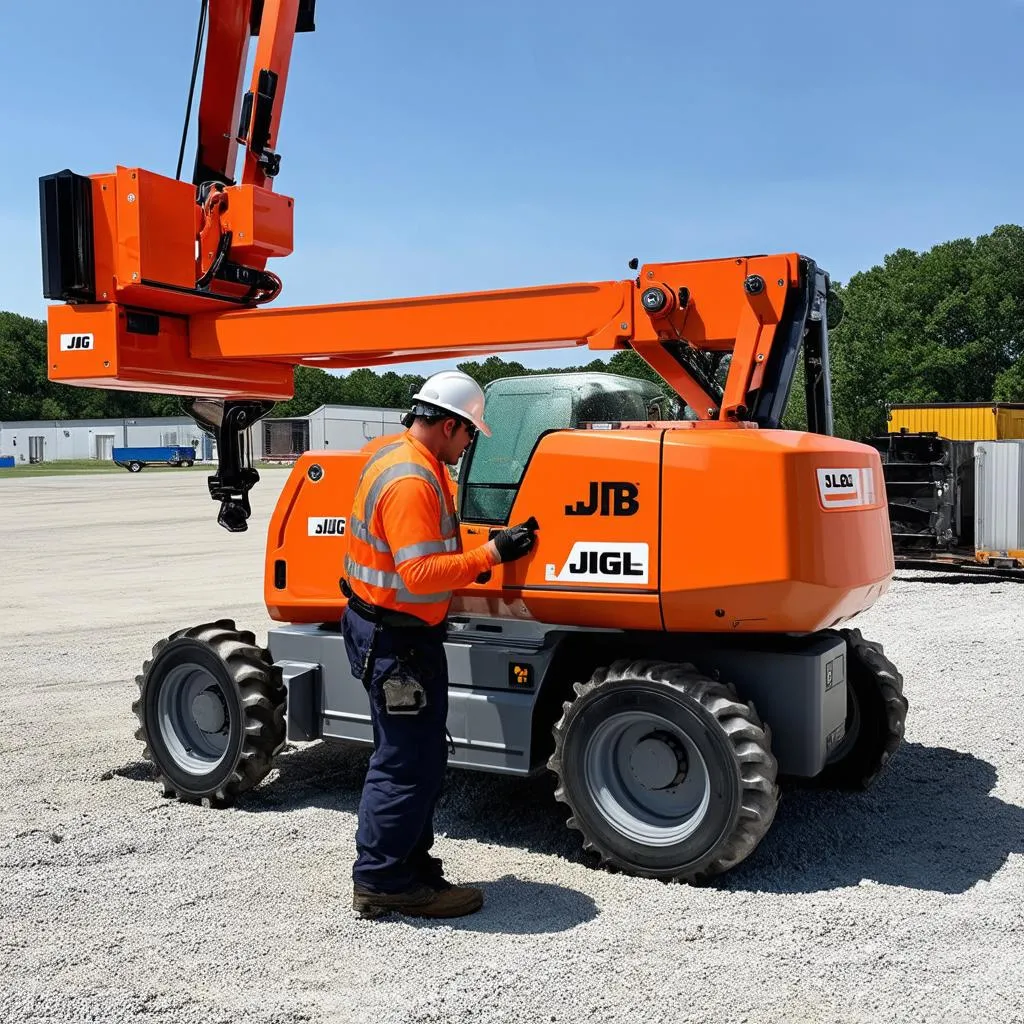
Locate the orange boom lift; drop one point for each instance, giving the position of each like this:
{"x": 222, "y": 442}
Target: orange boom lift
{"x": 673, "y": 643}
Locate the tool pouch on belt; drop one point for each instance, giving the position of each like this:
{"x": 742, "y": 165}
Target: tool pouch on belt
{"x": 403, "y": 695}
{"x": 381, "y": 649}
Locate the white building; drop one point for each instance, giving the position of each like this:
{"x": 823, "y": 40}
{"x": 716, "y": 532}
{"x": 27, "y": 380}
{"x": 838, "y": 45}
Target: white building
{"x": 330, "y": 427}
{"x": 56, "y": 440}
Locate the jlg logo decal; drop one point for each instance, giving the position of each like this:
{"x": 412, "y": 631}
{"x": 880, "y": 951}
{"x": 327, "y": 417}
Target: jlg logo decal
{"x": 841, "y": 481}
{"x": 77, "y": 342}
{"x": 602, "y": 562}
{"x": 846, "y": 488}
{"x": 325, "y": 526}
{"x": 613, "y": 497}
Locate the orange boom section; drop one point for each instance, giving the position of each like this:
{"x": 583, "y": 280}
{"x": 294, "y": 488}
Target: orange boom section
{"x": 706, "y": 528}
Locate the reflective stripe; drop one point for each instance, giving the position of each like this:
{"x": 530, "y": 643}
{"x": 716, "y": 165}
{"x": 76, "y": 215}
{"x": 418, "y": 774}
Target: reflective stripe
{"x": 377, "y": 456}
{"x": 375, "y": 577}
{"x": 410, "y": 598}
{"x": 427, "y": 547}
{"x": 400, "y": 469}
{"x": 359, "y": 529}
{"x": 390, "y": 581}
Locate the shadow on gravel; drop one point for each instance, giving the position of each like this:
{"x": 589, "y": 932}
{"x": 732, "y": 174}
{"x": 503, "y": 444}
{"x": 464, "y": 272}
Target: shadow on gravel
{"x": 521, "y": 813}
{"x": 517, "y": 812}
{"x": 516, "y": 907}
{"x": 136, "y": 771}
{"x": 928, "y": 823}
{"x": 953, "y": 580}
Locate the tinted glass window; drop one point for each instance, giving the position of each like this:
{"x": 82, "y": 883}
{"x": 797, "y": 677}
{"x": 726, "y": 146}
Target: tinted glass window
{"x": 517, "y": 420}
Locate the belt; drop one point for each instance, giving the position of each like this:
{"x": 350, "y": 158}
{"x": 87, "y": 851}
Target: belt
{"x": 381, "y": 616}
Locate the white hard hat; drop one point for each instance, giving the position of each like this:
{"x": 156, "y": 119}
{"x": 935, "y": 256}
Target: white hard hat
{"x": 455, "y": 392}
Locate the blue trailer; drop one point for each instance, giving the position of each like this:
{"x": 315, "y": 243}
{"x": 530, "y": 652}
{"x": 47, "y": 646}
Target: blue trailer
{"x": 133, "y": 459}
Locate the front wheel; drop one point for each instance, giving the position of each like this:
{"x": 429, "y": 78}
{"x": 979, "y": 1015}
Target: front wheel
{"x": 666, "y": 772}
{"x": 211, "y": 712}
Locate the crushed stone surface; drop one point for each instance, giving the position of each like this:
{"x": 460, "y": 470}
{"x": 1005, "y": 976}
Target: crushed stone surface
{"x": 904, "y": 903}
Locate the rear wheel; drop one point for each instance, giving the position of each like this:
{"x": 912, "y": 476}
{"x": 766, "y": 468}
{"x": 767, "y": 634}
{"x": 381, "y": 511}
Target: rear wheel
{"x": 876, "y": 715}
{"x": 666, "y": 772}
{"x": 134, "y": 467}
{"x": 211, "y": 712}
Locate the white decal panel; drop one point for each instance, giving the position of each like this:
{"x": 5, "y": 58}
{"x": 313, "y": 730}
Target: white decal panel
{"x": 846, "y": 488}
{"x": 77, "y": 342}
{"x": 605, "y": 562}
{"x": 325, "y": 526}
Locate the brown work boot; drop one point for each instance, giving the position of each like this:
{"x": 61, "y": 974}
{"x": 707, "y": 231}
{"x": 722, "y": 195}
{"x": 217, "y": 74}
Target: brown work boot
{"x": 423, "y": 901}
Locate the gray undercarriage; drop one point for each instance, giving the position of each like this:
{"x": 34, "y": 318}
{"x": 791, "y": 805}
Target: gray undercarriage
{"x": 508, "y": 679}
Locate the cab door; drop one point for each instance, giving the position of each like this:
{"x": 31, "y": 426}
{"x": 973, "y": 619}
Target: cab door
{"x": 596, "y": 495}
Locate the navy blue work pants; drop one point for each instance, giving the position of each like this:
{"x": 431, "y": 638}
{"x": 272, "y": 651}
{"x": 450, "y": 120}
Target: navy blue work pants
{"x": 406, "y": 774}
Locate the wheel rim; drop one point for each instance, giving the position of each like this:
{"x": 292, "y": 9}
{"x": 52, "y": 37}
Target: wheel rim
{"x": 194, "y": 718}
{"x": 647, "y": 778}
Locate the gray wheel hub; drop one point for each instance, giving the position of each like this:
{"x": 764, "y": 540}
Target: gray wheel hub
{"x": 647, "y": 778}
{"x": 658, "y": 761}
{"x": 193, "y": 718}
{"x": 209, "y": 711}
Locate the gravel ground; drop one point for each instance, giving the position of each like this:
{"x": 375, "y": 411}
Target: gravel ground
{"x": 901, "y": 904}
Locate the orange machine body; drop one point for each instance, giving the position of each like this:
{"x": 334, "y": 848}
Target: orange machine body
{"x": 695, "y": 527}
{"x": 151, "y": 244}
{"x": 725, "y": 522}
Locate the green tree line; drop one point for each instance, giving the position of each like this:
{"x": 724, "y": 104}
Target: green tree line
{"x": 945, "y": 325}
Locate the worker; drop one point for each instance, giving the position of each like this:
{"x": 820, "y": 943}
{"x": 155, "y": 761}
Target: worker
{"x": 404, "y": 560}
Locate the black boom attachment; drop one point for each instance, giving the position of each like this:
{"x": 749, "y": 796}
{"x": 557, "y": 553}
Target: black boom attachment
{"x": 228, "y": 422}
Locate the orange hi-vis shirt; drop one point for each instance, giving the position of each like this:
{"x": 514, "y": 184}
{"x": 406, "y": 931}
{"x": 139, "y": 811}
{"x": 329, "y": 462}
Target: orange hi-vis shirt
{"x": 404, "y": 548}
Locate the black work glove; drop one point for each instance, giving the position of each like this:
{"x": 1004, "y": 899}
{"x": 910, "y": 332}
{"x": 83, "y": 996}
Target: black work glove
{"x": 516, "y": 541}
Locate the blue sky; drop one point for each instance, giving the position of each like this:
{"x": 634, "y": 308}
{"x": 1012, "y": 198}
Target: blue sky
{"x": 444, "y": 146}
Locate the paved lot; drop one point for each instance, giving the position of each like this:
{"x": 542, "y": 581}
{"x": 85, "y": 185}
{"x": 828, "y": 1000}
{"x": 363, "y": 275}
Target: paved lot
{"x": 901, "y": 904}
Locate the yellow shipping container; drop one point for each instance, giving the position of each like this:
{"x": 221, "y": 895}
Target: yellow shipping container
{"x": 968, "y": 421}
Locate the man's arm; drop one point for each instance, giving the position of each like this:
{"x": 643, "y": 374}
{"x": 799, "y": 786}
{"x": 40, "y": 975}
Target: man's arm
{"x": 410, "y": 516}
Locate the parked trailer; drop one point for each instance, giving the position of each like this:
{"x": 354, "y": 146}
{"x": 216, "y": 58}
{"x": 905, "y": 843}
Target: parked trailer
{"x": 999, "y": 497}
{"x": 133, "y": 459}
{"x": 960, "y": 421}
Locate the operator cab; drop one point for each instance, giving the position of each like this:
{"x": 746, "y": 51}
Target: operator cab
{"x": 521, "y": 410}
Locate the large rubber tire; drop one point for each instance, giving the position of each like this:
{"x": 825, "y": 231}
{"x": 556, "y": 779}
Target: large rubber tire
{"x": 211, "y": 712}
{"x": 618, "y": 742}
{"x": 134, "y": 467}
{"x": 876, "y": 715}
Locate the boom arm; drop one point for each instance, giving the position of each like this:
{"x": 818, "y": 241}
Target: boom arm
{"x": 160, "y": 284}
{"x": 226, "y": 118}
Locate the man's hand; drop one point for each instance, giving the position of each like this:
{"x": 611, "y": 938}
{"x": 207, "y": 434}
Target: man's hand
{"x": 515, "y": 541}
